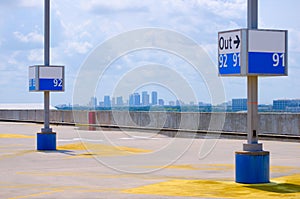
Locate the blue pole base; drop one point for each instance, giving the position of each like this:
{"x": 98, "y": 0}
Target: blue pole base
{"x": 46, "y": 141}
{"x": 252, "y": 167}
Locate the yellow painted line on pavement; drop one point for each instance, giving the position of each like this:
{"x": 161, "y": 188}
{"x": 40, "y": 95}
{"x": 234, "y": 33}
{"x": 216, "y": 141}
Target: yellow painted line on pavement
{"x": 15, "y": 136}
{"x": 222, "y": 167}
{"x": 37, "y": 194}
{"x": 210, "y": 167}
{"x": 92, "y": 149}
{"x": 16, "y": 154}
{"x": 47, "y": 190}
{"x": 283, "y": 187}
{"x": 10, "y": 145}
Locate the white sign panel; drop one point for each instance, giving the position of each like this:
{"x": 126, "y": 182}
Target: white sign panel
{"x": 229, "y": 50}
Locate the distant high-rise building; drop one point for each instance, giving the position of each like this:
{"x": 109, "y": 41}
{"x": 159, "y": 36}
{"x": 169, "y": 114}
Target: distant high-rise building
{"x": 107, "y": 102}
{"x": 291, "y": 105}
{"x": 137, "y": 99}
{"x": 101, "y": 104}
{"x": 134, "y": 99}
{"x": 93, "y": 102}
{"x": 239, "y": 105}
{"x": 113, "y": 101}
{"x": 154, "y": 98}
{"x": 131, "y": 100}
{"x": 161, "y": 102}
{"x": 120, "y": 101}
{"x": 145, "y": 98}
{"x": 280, "y": 105}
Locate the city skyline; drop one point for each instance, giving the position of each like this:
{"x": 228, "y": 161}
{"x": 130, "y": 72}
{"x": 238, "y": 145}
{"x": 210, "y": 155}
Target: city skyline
{"x": 237, "y": 104}
{"x": 234, "y": 105}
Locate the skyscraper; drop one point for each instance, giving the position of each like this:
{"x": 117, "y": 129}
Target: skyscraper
{"x": 131, "y": 100}
{"x": 107, "y": 102}
{"x": 113, "y": 101}
{"x": 134, "y": 99}
{"x": 120, "y": 101}
{"x": 239, "y": 104}
{"x": 154, "y": 98}
{"x": 161, "y": 102}
{"x": 145, "y": 98}
{"x": 137, "y": 99}
{"x": 93, "y": 102}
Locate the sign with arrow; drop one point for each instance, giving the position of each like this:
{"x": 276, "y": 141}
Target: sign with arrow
{"x": 229, "y": 52}
{"x": 246, "y": 52}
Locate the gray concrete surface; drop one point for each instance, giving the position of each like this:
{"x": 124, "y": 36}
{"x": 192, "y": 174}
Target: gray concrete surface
{"x": 114, "y": 161}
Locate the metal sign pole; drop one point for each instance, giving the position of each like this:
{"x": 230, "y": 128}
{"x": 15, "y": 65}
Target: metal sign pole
{"x": 252, "y": 164}
{"x": 46, "y": 140}
{"x": 47, "y": 128}
{"x": 252, "y": 89}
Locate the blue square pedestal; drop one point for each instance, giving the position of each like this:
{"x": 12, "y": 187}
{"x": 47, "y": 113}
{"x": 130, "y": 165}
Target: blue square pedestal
{"x": 46, "y": 141}
{"x": 252, "y": 167}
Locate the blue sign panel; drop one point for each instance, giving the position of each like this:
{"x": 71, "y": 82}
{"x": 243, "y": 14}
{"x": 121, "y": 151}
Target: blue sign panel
{"x": 266, "y": 63}
{"x": 51, "y": 84}
{"x": 229, "y": 64}
{"x": 32, "y": 85}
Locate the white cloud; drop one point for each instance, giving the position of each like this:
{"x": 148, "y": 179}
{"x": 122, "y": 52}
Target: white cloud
{"x": 36, "y": 55}
{"x": 114, "y": 5}
{"x": 78, "y": 47}
{"x": 30, "y": 37}
{"x": 13, "y": 58}
{"x": 31, "y": 3}
{"x": 228, "y": 9}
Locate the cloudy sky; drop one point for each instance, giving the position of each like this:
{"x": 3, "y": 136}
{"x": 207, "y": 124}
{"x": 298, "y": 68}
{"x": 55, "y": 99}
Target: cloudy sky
{"x": 80, "y": 26}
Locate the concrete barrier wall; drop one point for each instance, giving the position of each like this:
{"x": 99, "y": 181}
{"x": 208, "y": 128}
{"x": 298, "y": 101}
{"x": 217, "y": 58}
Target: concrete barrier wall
{"x": 270, "y": 123}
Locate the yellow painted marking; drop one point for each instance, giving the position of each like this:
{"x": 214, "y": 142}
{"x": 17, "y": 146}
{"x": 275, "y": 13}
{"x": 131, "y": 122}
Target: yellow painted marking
{"x": 100, "y": 150}
{"x": 46, "y": 190}
{"x": 10, "y": 145}
{"x": 37, "y": 194}
{"x": 211, "y": 167}
{"x": 18, "y": 153}
{"x": 15, "y": 136}
{"x": 283, "y": 169}
{"x": 283, "y": 187}
{"x": 222, "y": 167}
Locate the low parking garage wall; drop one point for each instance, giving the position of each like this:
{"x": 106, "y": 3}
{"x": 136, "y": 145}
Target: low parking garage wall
{"x": 269, "y": 123}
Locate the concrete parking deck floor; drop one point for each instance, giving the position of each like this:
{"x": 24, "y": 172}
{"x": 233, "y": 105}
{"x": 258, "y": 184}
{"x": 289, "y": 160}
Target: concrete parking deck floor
{"x": 134, "y": 164}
